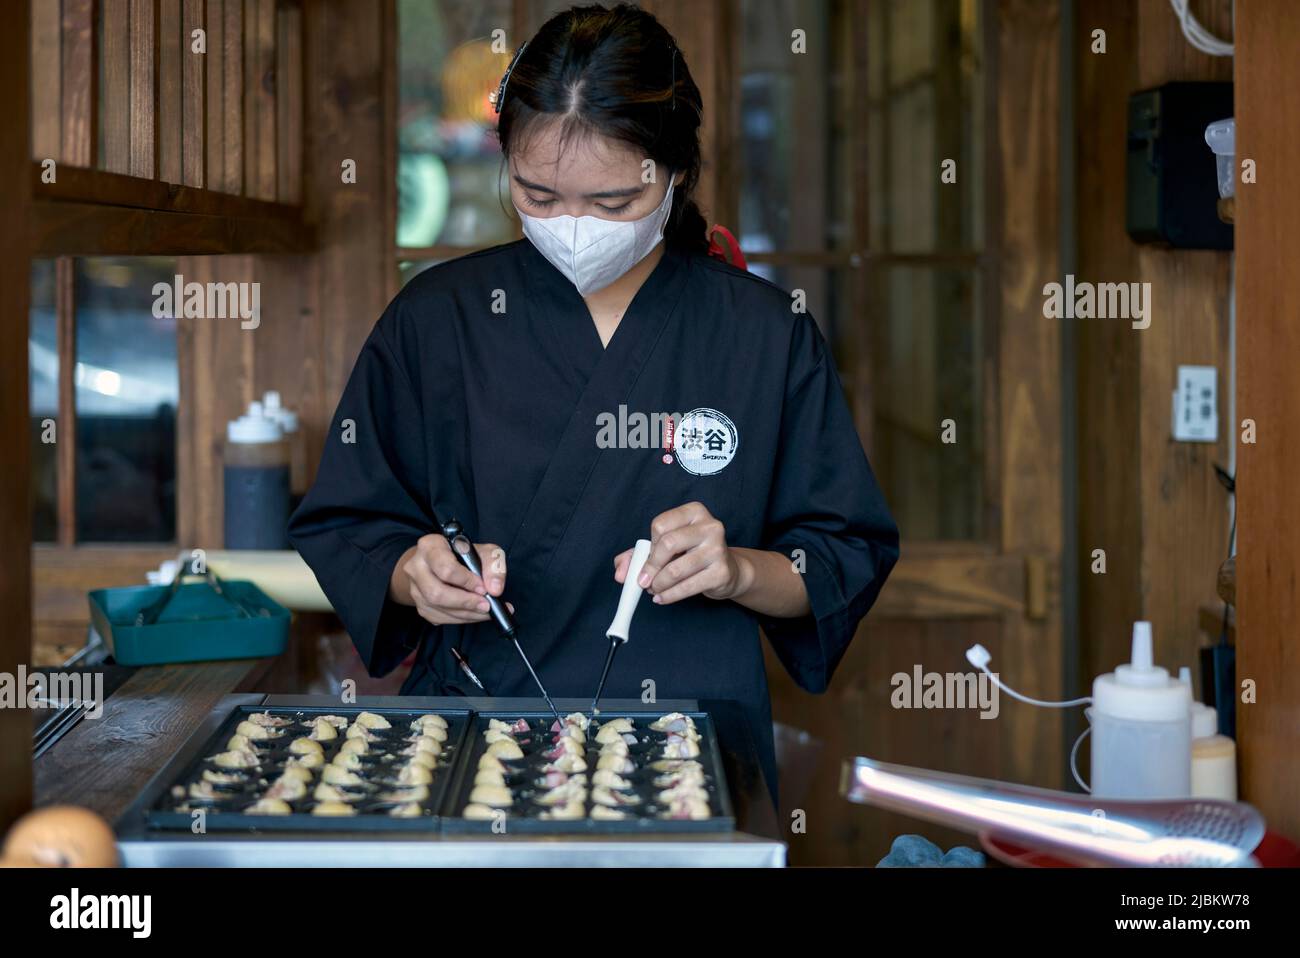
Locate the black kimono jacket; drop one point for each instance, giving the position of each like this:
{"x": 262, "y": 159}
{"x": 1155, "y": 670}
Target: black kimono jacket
{"x": 480, "y": 395}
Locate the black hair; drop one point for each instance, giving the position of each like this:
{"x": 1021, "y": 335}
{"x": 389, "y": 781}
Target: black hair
{"x": 616, "y": 72}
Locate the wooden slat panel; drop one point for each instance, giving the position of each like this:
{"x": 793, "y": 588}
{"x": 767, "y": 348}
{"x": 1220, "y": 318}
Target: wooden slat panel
{"x": 259, "y": 99}
{"x": 232, "y": 97}
{"x": 115, "y": 96}
{"x": 214, "y": 64}
{"x": 88, "y": 230}
{"x": 15, "y": 477}
{"x": 288, "y": 103}
{"x": 143, "y": 87}
{"x": 266, "y": 96}
{"x": 46, "y": 80}
{"x": 80, "y": 83}
{"x": 193, "y": 96}
{"x": 169, "y": 90}
{"x": 1268, "y": 342}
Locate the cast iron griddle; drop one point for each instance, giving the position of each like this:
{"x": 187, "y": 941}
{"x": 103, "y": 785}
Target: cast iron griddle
{"x": 170, "y": 811}
{"x": 524, "y": 816}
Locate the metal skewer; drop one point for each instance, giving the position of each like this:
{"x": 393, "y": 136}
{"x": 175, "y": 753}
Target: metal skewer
{"x": 618, "y": 629}
{"x": 464, "y": 551}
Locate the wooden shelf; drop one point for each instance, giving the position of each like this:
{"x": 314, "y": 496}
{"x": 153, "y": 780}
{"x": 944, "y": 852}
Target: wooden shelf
{"x": 95, "y": 213}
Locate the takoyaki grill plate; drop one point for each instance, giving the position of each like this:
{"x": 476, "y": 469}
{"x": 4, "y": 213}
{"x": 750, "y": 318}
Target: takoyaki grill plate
{"x": 524, "y": 815}
{"x": 175, "y": 807}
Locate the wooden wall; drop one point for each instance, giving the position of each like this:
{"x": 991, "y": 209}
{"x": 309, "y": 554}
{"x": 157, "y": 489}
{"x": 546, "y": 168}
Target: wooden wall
{"x": 1268, "y": 349}
{"x": 1152, "y": 504}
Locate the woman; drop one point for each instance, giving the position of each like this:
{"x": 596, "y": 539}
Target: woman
{"x": 509, "y": 389}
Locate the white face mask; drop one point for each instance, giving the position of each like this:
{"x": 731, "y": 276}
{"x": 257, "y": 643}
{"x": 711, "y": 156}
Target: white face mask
{"x": 591, "y": 252}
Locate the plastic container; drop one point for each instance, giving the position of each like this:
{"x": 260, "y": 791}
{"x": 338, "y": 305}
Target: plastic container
{"x": 197, "y": 625}
{"x": 1214, "y": 756}
{"x": 293, "y": 435}
{"x": 256, "y": 483}
{"x": 1141, "y": 729}
{"x": 1221, "y": 137}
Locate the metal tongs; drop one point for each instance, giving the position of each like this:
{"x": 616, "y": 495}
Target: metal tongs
{"x": 150, "y": 613}
{"x": 467, "y": 555}
{"x": 617, "y": 632}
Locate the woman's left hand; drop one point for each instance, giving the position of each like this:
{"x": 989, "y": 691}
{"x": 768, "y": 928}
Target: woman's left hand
{"x": 688, "y": 556}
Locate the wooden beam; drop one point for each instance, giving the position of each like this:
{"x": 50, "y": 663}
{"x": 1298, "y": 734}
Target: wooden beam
{"x": 1026, "y": 86}
{"x": 84, "y": 229}
{"x": 1268, "y": 341}
{"x": 15, "y": 477}
{"x": 345, "y": 66}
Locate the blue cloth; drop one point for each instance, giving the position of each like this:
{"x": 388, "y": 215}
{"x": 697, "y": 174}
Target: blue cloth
{"x": 913, "y": 851}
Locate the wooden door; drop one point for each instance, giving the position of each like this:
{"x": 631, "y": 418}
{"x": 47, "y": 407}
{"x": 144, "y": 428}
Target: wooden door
{"x": 834, "y": 120}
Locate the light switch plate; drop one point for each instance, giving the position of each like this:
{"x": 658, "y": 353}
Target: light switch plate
{"x": 1196, "y": 405}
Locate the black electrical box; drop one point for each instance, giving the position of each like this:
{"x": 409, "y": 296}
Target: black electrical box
{"x": 1173, "y": 191}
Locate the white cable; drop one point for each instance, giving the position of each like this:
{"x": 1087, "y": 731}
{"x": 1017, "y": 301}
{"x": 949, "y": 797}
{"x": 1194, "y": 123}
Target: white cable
{"x": 1074, "y": 760}
{"x": 979, "y": 657}
{"x": 1196, "y": 33}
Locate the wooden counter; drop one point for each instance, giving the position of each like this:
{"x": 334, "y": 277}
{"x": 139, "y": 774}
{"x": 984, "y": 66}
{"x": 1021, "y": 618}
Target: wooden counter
{"x": 102, "y": 764}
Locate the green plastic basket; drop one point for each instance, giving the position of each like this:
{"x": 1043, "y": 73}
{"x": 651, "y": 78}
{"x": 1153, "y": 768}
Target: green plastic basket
{"x": 196, "y": 626}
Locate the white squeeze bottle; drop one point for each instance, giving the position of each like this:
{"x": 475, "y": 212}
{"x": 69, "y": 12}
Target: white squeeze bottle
{"x": 1141, "y": 729}
{"x": 1214, "y": 756}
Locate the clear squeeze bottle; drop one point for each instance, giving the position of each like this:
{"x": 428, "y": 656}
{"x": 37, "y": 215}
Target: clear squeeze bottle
{"x": 1141, "y": 729}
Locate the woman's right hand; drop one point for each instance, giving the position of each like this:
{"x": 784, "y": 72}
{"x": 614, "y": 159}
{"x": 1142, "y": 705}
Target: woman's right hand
{"x": 442, "y": 590}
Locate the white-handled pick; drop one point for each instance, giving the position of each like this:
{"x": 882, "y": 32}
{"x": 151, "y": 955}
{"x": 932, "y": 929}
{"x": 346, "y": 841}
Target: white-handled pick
{"x": 618, "y": 629}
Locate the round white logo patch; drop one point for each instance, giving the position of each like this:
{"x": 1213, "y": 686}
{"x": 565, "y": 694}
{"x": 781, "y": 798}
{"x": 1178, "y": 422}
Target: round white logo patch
{"x": 706, "y": 441}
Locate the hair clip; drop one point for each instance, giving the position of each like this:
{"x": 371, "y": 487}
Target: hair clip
{"x": 499, "y": 97}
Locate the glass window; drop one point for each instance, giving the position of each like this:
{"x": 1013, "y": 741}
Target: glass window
{"x": 926, "y": 357}
{"x": 126, "y": 395}
{"x": 43, "y": 395}
{"x": 794, "y": 131}
{"x": 925, "y": 96}
{"x": 449, "y": 175}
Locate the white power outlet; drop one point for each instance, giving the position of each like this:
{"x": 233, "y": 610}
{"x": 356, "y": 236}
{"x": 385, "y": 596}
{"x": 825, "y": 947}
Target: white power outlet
{"x": 1196, "y": 405}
